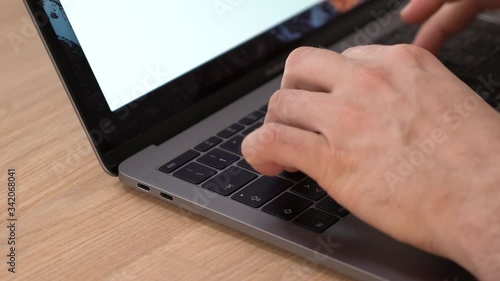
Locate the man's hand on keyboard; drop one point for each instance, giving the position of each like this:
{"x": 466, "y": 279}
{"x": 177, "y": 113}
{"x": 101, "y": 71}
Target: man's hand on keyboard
{"x": 398, "y": 140}
{"x": 443, "y": 18}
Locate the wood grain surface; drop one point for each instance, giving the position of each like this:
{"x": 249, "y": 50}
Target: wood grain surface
{"x": 77, "y": 223}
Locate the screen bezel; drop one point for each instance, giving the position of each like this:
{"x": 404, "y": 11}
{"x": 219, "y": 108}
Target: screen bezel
{"x": 111, "y": 156}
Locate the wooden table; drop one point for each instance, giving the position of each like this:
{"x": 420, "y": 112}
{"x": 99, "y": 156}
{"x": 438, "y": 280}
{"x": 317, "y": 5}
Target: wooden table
{"x": 77, "y": 223}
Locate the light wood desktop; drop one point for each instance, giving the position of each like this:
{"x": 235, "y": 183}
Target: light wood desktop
{"x": 77, "y": 223}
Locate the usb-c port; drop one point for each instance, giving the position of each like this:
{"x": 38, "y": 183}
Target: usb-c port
{"x": 166, "y": 196}
{"x": 143, "y": 187}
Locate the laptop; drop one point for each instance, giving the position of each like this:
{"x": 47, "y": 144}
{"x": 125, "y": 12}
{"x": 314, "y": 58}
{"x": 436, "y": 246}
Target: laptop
{"x": 167, "y": 90}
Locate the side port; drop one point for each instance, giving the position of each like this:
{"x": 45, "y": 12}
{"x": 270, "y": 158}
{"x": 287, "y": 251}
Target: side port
{"x": 166, "y": 196}
{"x": 143, "y": 187}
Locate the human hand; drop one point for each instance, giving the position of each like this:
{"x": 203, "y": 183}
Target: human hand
{"x": 397, "y": 139}
{"x": 443, "y": 18}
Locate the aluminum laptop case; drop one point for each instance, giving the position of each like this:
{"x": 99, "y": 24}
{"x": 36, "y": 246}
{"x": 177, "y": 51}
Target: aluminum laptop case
{"x": 349, "y": 246}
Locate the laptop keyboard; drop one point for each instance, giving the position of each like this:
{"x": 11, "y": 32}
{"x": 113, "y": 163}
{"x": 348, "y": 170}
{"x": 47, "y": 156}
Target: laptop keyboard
{"x": 471, "y": 54}
{"x": 217, "y": 165}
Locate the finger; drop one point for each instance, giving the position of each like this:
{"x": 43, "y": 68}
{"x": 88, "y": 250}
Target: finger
{"x": 418, "y": 11}
{"x": 451, "y": 19}
{"x": 277, "y": 145}
{"x": 297, "y": 108}
{"x": 313, "y": 69}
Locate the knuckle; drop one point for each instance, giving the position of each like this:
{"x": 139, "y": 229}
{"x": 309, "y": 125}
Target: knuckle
{"x": 413, "y": 54}
{"x": 408, "y": 51}
{"x": 259, "y": 141}
{"x": 248, "y": 148}
{"x": 278, "y": 104}
{"x": 268, "y": 134}
{"x": 353, "y": 50}
{"x": 275, "y": 101}
{"x": 296, "y": 57}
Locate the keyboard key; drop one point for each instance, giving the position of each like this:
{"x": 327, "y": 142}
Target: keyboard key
{"x": 463, "y": 60}
{"x": 208, "y": 144}
{"x": 229, "y": 181}
{"x": 234, "y": 144}
{"x": 218, "y": 159}
{"x": 195, "y": 173}
{"x": 287, "y": 206}
{"x": 329, "y": 205}
{"x": 243, "y": 163}
{"x": 298, "y": 176}
{"x": 310, "y": 189}
{"x": 261, "y": 191}
{"x": 251, "y": 129}
{"x": 179, "y": 161}
{"x": 316, "y": 220}
{"x": 230, "y": 131}
{"x": 252, "y": 118}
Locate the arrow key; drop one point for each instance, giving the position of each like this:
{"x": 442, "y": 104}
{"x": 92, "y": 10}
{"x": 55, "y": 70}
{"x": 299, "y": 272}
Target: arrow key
{"x": 309, "y": 189}
{"x": 331, "y": 206}
{"x": 287, "y": 206}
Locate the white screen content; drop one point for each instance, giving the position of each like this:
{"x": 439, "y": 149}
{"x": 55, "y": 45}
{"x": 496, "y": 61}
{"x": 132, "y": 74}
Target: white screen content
{"x": 134, "y": 47}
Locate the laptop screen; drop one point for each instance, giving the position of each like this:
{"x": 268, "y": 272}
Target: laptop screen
{"x": 126, "y": 41}
{"x": 143, "y": 71}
